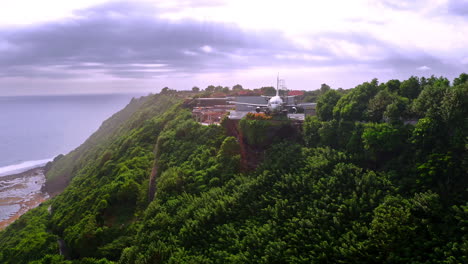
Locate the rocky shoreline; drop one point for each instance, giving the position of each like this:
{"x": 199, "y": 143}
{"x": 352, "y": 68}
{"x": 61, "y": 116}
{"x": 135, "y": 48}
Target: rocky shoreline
{"x": 19, "y": 193}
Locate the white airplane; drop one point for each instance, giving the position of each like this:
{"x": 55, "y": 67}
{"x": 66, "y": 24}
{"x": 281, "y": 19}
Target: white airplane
{"x": 275, "y": 104}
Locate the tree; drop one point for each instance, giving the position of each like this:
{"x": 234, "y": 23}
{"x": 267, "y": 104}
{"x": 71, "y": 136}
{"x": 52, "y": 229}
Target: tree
{"x": 165, "y": 90}
{"x": 324, "y": 88}
{"x": 427, "y": 135}
{"x": 463, "y": 78}
{"x": 397, "y": 110}
{"x": 410, "y": 88}
{"x": 325, "y": 104}
{"x": 168, "y": 91}
{"x": 378, "y": 105}
{"x": 311, "y": 131}
{"x": 229, "y": 156}
{"x": 218, "y": 89}
{"x": 441, "y": 81}
{"x": 210, "y": 88}
{"x": 454, "y": 104}
{"x": 237, "y": 87}
{"x": 391, "y": 230}
{"x": 393, "y": 85}
{"x": 353, "y": 106}
{"x": 195, "y": 89}
{"x": 311, "y": 96}
{"x": 328, "y": 133}
{"x": 381, "y": 138}
{"x": 269, "y": 90}
{"x": 429, "y": 100}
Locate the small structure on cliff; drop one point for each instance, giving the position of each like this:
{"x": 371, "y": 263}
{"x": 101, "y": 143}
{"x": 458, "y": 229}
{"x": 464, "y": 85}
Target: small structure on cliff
{"x": 210, "y": 114}
{"x": 211, "y": 110}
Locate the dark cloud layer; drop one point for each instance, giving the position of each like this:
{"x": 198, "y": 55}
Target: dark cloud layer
{"x": 116, "y": 36}
{"x": 129, "y": 41}
{"x": 458, "y": 7}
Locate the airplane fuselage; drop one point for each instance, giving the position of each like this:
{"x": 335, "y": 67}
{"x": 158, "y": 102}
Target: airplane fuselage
{"x": 275, "y": 104}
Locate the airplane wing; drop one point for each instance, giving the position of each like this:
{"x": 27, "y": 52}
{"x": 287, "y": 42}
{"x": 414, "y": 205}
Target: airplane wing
{"x": 248, "y": 104}
{"x": 303, "y": 104}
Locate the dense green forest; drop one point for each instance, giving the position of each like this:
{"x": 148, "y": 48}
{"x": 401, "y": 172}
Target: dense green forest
{"x": 379, "y": 175}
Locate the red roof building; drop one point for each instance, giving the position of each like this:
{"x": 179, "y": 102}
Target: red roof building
{"x": 245, "y": 93}
{"x": 296, "y": 93}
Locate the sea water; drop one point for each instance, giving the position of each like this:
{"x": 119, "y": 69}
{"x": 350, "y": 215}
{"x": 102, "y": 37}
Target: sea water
{"x": 35, "y": 129}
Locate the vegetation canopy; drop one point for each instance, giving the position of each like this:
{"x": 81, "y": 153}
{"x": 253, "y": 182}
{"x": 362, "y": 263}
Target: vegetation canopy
{"x": 378, "y": 176}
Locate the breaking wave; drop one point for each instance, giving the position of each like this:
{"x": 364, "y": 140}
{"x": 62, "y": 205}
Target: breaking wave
{"x": 23, "y": 166}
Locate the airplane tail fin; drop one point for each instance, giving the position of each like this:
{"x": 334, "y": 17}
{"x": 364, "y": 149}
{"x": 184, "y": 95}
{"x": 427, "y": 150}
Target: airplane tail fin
{"x": 277, "y": 85}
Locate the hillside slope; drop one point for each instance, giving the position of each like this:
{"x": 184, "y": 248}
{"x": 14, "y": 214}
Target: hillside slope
{"x": 359, "y": 186}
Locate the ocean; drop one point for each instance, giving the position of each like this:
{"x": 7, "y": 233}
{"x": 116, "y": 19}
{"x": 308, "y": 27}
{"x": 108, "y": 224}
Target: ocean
{"x": 35, "y": 129}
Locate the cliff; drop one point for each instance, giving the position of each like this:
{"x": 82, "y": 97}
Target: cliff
{"x": 154, "y": 186}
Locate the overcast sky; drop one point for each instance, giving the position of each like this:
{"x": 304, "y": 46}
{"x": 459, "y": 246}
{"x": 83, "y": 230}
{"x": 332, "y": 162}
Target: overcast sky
{"x": 99, "y": 46}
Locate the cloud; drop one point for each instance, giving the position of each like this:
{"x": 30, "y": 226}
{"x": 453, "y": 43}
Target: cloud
{"x": 125, "y": 40}
{"x": 120, "y": 35}
{"x": 116, "y": 39}
{"x": 207, "y": 49}
{"x": 403, "y": 4}
{"x": 424, "y": 68}
{"x": 458, "y": 7}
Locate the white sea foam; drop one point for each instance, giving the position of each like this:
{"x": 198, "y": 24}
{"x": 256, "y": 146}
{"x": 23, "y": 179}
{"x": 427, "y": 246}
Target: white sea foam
{"x": 23, "y": 166}
{"x": 8, "y": 210}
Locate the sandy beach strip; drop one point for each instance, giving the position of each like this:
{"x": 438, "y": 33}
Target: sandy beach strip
{"x": 28, "y": 193}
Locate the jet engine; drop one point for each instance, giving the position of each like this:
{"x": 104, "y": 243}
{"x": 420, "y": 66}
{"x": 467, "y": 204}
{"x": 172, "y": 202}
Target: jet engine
{"x": 258, "y": 109}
